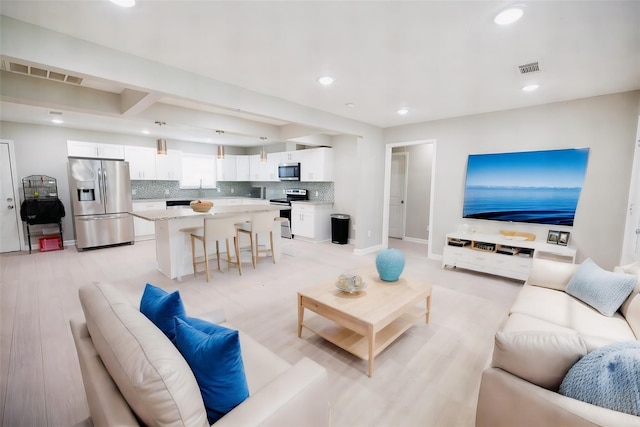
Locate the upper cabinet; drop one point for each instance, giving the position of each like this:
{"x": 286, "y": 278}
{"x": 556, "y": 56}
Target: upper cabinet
{"x": 316, "y": 164}
{"x": 142, "y": 162}
{"x": 261, "y": 171}
{"x": 291, "y": 156}
{"x": 95, "y": 150}
{"x": 227, "y": 168}
{"x": 198, "y": 171}
{"x": 169, "y": 166}
{"x": 242, "y": 168}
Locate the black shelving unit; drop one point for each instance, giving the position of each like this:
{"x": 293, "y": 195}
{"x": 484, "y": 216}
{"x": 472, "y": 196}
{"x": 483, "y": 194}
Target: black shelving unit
{"x": 41, "y": 206}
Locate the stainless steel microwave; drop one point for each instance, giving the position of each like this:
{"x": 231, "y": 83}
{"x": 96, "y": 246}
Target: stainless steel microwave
{"x": 289, "y": 172}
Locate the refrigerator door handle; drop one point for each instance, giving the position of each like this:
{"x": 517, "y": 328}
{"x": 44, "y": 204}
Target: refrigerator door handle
{"x": 104, "y": 186}
{"x": 101, "y": 217}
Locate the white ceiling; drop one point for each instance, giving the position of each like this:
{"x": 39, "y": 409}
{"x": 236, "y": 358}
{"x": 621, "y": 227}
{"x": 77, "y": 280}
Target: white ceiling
{"x": 438, "y": 59}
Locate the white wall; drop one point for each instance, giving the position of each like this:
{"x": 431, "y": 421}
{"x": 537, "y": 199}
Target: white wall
{"x": 345, "y": 193}
{"x": 605, "y": 124}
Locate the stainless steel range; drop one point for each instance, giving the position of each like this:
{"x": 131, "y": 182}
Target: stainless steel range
{"x": 293, "y": 194}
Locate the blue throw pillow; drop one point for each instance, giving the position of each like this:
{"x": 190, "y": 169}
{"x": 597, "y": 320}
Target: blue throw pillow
{"x": 607, "y": 377}
{"x": 213, "y": 354}
{"x": 161, "y": 307}
{"x": 603, "y": 290}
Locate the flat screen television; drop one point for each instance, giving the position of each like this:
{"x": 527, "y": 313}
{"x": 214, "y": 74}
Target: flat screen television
{"x": 541, "y": 187}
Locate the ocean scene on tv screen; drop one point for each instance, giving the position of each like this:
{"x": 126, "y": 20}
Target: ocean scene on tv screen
{"x": 540, "y": 187}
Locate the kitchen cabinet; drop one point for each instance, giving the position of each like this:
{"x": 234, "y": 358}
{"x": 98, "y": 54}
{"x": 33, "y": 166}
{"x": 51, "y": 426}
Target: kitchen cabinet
{"x": 198, "y": 171}
{"x": 291, "y": 156}
{"x": 169, "y": 166}
{"x": 143, "y": 229}
{"x": 316, "y": 164}
{"x": 142, "y": 162}
{"x": 95, "y": 150}
{"x": 242, "y": 168}
{"x": 311, "y": 221}
{"x": 264, "y": 171}
{"x": 226, "y": 169}
{"x": 273, "y": 160}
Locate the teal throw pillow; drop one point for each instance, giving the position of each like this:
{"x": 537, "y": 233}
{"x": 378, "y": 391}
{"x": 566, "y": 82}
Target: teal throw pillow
{"x": 213, "y": 354}
{"x": 608, "y": 377}
{"x": 603, "y": 290}
{"x": 161, "y": 307}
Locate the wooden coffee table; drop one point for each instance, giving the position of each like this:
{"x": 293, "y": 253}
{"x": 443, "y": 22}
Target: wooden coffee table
{"x": 367, "y": 322}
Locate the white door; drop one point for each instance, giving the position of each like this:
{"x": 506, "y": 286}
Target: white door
{"x": 397, "y": 195}
{"x": 9, "y": 207}
{"x": 631, "y": 243}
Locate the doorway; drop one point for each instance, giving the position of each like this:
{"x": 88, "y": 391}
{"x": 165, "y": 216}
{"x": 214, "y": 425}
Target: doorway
{"x": 10, "y": 224}
{"x": 398, "y": 194}
{"x": 422, "y": 212}
{"x": 631, "y": 241}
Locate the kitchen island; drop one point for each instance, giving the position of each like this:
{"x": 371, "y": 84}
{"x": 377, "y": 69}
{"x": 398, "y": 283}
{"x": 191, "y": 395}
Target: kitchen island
{"x": 173, "y": 247}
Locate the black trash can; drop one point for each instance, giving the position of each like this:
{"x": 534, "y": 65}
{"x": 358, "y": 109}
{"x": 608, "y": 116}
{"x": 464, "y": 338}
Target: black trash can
{"x": 340, "y": 229}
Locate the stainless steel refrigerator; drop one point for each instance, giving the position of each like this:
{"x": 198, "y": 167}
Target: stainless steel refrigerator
{"x": 101, "y": 195}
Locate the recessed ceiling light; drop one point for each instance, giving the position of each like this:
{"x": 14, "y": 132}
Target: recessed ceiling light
{"x": 403, "y": 111}
{"x": 508, "y": 16}
{"x": 325, "y": 80}
{"x": 124, "y": 3}
{"x": 350, "y": 105}
{"x": 146, "y": 132}
{"x": 57, "y": 121}
{"x": 530, "y": 88}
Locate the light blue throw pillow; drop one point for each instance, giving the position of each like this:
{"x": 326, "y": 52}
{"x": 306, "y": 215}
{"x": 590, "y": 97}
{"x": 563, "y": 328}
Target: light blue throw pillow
{"x": 213, "y": 354}
{"x": 603, "y": 290}
{"x": 608, "y": 377}
{"x": 161, "y": 307}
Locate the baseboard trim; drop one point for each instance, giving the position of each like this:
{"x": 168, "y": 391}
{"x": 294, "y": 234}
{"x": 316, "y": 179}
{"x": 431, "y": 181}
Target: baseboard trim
{"x": 368, "y": 250}
{"x": 415, "y": 240}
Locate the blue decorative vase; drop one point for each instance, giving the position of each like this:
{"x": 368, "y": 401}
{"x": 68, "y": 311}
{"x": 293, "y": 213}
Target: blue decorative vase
{"x": 390, "y": 263}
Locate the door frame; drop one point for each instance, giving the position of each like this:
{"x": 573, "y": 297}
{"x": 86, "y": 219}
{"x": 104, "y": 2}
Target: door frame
{"x": 387, "y": 190}
{"x": 16, "y": 191}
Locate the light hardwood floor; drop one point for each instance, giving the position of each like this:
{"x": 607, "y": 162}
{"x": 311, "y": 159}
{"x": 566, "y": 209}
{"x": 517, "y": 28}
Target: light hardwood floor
{"x": 428, "y": 377}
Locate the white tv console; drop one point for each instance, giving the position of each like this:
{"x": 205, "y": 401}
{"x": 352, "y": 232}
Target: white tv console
{"x": 505, "y": 256}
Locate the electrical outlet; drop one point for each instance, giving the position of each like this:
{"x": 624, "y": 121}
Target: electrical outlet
{"x": 166, "y": 192}
{"x": 133, "y": 191}
{"x": 369, "y": 233}
{"x": 316, "y": 194}
{"x": 232, "y": 191}
{"x": 218, "y": 189}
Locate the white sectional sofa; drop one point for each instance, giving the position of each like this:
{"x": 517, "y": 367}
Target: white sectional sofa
{"x": 134, "y": 375}
{"x": 547, "y": 331}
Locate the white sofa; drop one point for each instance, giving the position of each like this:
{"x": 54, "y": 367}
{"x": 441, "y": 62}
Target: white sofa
{"x": 133, "y": 374}
{"x": 546, "y": 332}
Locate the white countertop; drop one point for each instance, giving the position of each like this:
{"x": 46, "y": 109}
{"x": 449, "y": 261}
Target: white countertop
{"x": 312, "y": 202}
{"x": 171, "y": 214}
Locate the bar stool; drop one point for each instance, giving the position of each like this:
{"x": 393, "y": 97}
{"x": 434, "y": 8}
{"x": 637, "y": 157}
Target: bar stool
{"x": 216, "y": 229}
{"x": 261, "y": 222}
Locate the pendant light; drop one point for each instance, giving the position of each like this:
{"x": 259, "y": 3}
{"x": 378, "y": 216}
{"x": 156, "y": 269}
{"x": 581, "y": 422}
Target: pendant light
{"x": 220, "y": 147}
{"x": 161, "y": 144}
{"x": 263, "y": 154}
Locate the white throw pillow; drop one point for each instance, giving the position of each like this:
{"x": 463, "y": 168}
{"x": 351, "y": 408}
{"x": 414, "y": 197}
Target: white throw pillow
{"x": 542, "y": 358}
{"x": 601, "y": 289}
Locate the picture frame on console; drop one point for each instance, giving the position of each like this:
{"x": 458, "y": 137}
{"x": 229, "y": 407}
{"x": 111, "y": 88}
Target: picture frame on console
{"x": 553, "y": 237}
{"x": 558, "y": 237}
{"x": 563, "y": 238}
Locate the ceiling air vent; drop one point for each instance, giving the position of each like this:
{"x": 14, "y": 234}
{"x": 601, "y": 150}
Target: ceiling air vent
{"x": 41, "y": 72}
{"x": 531, "y": 67}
